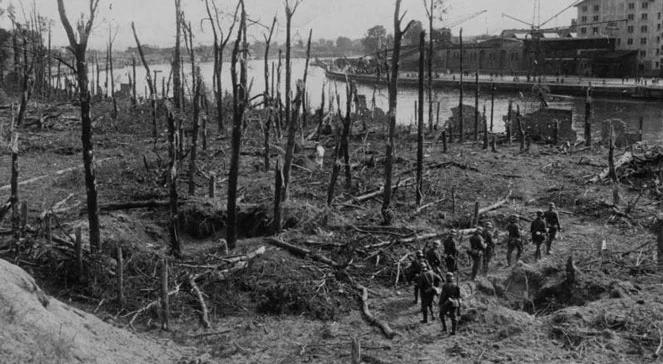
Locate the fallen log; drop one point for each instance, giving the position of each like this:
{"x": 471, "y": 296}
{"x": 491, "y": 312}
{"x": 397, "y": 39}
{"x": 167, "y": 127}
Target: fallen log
{"x": 624, "y": 159}
{"x": 496, "y": 205}
{"x": 56, "y": 174}
{"x": 302, "y": 252}
{"x": 368, "y": 316}
{"x": 409, "y": 240}
{"x": 404, "y": 183}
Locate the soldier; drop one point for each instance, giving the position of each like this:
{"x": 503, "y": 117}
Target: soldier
{"x": 551, "y": 218}
{"x": 515, "y": 240}
{"x": 449, "y": 303}
{"x": 429, "y": 283}
{"x": 477, "y": 248}
{"x": 539, "y": 232}
{"x": 451, "y": 252}
{"x": 490, "y": 246}
{"x": 414, "y": 271}
{"x": 434, "y": 258}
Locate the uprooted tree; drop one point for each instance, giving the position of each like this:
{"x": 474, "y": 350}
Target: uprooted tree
{"x": 78, "y": 47}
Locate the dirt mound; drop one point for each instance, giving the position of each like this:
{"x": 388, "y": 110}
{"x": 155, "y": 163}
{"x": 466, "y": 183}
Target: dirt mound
{"x": 38, "y": 328}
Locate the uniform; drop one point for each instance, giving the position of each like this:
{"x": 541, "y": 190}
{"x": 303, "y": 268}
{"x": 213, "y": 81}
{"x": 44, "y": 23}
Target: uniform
{"x": 428, "y": 286}
{"x": 552, "y": 221}
{"x": 413, "y": 272}
{"x": 490, "y": 250}
{"x": 477, "y": 249}
{"x": 539, "y": 233}
{"x": 434, "y": 259}
{"x": 449, "y": 304}
{"x": 451, "y": 254}
{"x": 515, "y": 242}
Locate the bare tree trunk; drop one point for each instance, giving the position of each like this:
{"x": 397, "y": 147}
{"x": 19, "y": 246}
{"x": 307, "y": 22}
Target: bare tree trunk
{"x": 387, "y": 214}
{"x": 79, "y": 49}
{"x": 460, "y": 107}
{"x": 336, "y": 168}
{"x": 165, "y": 304}
{"x": 612, "y": 174}
{"x": 134, "y": 98}
{"x": 278, "y": 189}
{"x": 14, "y": 174}
{"x": 196, "y": 83}
{"x": 112, "y": 76}
{"x": 120, "y": 277}
{"x": 279, "y": 97}
{"x": 485, "y": 129}
{"x": 239, "y": 105}
{"x": 347, "y": 128}
{"x": 588, "y": 121}
{"x": 148, "y": 76}
{"x": 507, "y": 127}
{"x": 476, "y": 107}
{"x": 292, "y": 122}
{"x": 420, "y": 124}
{"x": 305, "y": 110}
{"x": 492, "y": 106}
{"x": 521, "y": 129}
{"x": 177, "y": 80}
{"x": 173, "y": 224}
{"x": 431, "y": 54}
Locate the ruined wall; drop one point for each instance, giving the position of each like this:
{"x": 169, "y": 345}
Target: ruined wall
{"x": 540, "y": 125}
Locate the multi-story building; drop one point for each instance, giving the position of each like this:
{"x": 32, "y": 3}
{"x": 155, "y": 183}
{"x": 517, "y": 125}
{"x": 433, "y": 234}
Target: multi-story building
{"x": 635, "y": 24}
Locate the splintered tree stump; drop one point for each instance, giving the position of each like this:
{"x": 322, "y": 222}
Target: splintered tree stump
{"x": 212, "y": 185}
{"x": 120, "y": 277}
{"x": 165, "y": 307}
{"x": 79, "y": 253}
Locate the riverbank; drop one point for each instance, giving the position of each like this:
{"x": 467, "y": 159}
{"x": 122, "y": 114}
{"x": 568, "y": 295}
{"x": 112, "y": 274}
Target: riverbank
{"x": 569, "y": 86}
{"x": 290, "y": 307}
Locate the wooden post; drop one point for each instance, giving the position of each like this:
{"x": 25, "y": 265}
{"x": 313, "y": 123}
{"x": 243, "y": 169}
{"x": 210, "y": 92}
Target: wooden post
{"x": 641, "y": 132}
{"x": 521, "y": 131}
{"x": 612, "y": 174}
{"x": 15, "y": 220}
{"x": 492, "y": 106}
{"x": 460, "y": 107}
{"x": 356, "y": 351}
{"x": 556, "y": 132}
{"x": 493, "y": 144}
{"x": 79, "y": 253}
{"x": 212, "y": 185}
{"x": 476, "y": 107}
{"x": 659, "y": 235}
{"x": 278, "y": 187}
{"x": 120, "y": 277}
{"x": 507, "y": 126}
{"x": 437, "y": 119}
{"x": 420, "y": 125}
{"x": 24, "y": 215}
{"x": 165, "y": 307}
{"x": 47, "y": 229}
{"x": 475, "y": 218}
{"x": 588, "y": 116}
{"x": 453, "y": 199}
{"x": 335, "y": 169}
{"x": 134, "y": 99}
{"x": 485, "y": 129}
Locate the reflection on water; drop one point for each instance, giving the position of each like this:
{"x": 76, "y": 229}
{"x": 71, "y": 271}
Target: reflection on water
{"x": 628, "y": 110}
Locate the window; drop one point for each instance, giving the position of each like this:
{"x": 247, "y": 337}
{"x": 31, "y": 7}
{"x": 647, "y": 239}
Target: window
{"x": 595, "y": 30}
{"x": 629, "y": 41}
{"x": 629, "y": 29}
{"x": 657, "y": 64}
{"x": 658, "y": 26}
{"x": 631, "y": 17}
{"x": 659, "y": 15}
{"x": 583, "y": 19}
{"x": 619, "y": 41}
{"x": 644, "y": 16}
{"x": 643, "y": 29}
{"x": 658, "y": 51}
{"x": 645, "y": 5}
{"x": 596, "y": 8}
{"x": 584, "y": 8}
{"x": 595, "y": 18}
{"x": 643, "y": 41}
{"x": 631, "y": 6}
{"x": 643, "y": 53}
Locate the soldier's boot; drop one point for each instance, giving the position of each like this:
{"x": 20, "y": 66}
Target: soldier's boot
{"x": 425, "y": 320}
{"x": 416, "y": 294}
{"x": 454, "y": 324}
{"x": 508, "y": 259}
{"x": 432, "y": 314}
{"x": 444, "y": 323}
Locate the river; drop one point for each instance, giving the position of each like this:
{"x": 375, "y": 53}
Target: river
{"x": 628, "y": 110}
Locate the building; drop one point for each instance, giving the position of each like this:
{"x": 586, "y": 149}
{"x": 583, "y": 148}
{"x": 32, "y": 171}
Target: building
{"x": 635, "y": 25}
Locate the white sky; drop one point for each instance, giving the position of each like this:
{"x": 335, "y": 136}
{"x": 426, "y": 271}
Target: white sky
{"x": 328, "y": 18}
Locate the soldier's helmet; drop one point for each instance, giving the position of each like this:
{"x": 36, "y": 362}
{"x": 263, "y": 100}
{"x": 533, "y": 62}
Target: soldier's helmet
{"x": 513, "y": 218}
{"x": 453, "y": 232}
{"x": 437, "y": 243}
{"x": 551, "y": 205}
{"x": 488, "y": 225}
{"x": 539, "y": 213}
{"x": 478, "y": 230}
{"x": 420, "y": 254}
{"x": 450, "y": 276}
{"x": 424, "y": 266}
